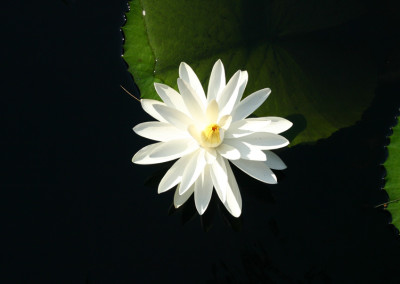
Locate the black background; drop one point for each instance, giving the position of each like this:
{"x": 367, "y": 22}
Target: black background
{"x": 76, "y": 210}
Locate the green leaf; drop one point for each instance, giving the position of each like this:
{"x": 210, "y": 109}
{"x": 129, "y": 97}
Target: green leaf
{"x": 392, "y": 185}
{"x": 321, "y": 81}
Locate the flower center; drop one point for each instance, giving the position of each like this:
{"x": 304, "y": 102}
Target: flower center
{"x": 211, "y": 135}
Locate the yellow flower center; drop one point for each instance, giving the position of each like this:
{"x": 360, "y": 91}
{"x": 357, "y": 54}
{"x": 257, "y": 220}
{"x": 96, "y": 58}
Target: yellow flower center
{"x": 211, "y": 136}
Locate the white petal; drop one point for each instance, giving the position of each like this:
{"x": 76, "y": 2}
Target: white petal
{"x": 250, "y": 104}
{"x": 225, "y": 121}
{"x": 195, "y": 133}
{"x": 211, "y": 155}
{"x": 212, "y": 112}
{"x": 233, "y": 199}
{"x": 173, "y": 149}
{"x": 219, "y": 177}
{"x": 174, "y": 117}
{"x": 159, "y": 131}
{"x": 192, "y": 170}
{"x": 142, "y": 156}
{"x": 148, "y": 106}
{"x": 246, "y": 151}
{"x": 277, "y": 125}
{"x": 244, "y": 77}
{"x": 179, "y": 200}
{"x": 227, "y": 98}
{"x": 174, "y": 175}
{"x": 202, "y": 191}
{"x": 228, "y": 152}
{"x": 192, "y": 102}
{"x": 274, "y": 162}
{"x": 265, "y": 141}
{"x": 256, "y": 169}
{"x": 187, "y": 74}
{"x": 217, "y": 81}
{"x": 170, "y": 97}
{"x": 245, "y": 127}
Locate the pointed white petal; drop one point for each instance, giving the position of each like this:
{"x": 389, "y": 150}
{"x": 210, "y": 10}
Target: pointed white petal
{"x": 212, "y": 112}
{"x": 250, "y": 104}
{"x": 277, "y": 125}
{"x": 274, "y": 162}
{"x": 225, "y": 121}
{"x": 142, "y": 156}
{"x": 219, "y": 177}
{"x": 256, "y": 169}
{"x": 202, "y": 191}
{"x": 245, "y": 127}
{"x": 246, "y": 151}
{"x": 192, "y": 102}
{"x": 192, "y": 170}
{"x": 187, "y": 74}
{"x": 244, "y": 77}
{"x": 265, "y": 140}
{"x": 195, "y": 133}
{"x": 227, "y": 98}
{"x": 170, "y": 97}
{"x": 148, "y": 106}
{"x": 174, "y": 175}
{"x": 217, "y": 81}
{"x": 179, "y": 200}
{"x": 228, "y": 152}
{"x": 173, "y": 149}
{"x": 211, "y": 155}
{"x": 174, "y": 117}
{"x": 159, "y": 131}
{"x": 233, "y": 201}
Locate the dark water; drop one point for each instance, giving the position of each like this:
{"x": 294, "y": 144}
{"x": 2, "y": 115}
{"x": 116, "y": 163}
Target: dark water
{"x": 76, "y": 210}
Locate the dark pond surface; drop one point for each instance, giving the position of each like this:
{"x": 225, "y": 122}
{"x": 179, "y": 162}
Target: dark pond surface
{"x": 76, "y": 210}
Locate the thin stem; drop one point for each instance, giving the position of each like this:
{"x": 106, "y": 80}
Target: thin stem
{"x": 386, "y": 203}
{"x": 129, "y": 93}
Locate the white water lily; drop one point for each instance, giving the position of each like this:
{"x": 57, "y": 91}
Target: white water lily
{"x": 204, "y": 132}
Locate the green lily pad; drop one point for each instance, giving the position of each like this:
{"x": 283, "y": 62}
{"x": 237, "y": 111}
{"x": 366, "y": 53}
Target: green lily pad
{"x": 326, "y": 82}
{"x": 392, "y": 185}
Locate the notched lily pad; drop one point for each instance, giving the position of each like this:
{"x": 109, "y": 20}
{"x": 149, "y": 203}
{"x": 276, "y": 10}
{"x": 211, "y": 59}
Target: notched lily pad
{"x": 300, "y": 50}
{"x": 392, "y": 185}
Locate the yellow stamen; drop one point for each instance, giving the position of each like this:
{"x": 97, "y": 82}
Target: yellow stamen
{"x": 210, "y": 136}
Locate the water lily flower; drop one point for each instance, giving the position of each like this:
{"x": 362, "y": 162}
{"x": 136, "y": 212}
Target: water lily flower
{"x": 205, "y": 132}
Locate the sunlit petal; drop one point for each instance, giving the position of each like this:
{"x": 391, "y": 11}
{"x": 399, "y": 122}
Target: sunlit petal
{"x": 217, "y": 81}
{"x": 174, "y": 117}
{"x": 173, "y": 149}
{"x": 148, "y": 106}
{"x": 250, "y": 104}
{"x": 274, "y": 162}
{"x": 233, "y": 201}
{"x": 192, "y": 170}
{"x": 159, "y": 131}
{"x": 179, "y": 200}
{"x": 170, "y": 97}
{"x": 219, "y": 177}
{"x": 266, "y": 141}
{"x": 174, "y": 175}
{"x": 187, "y": 74}
{"x": 192, "y": 101}
{"x": 203, "y": 190}
{"x": 246, "y": 150}
{"x": 256, "y": 169}
{"x": 228, "y": 152}
{"x": 277, "y": 124}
